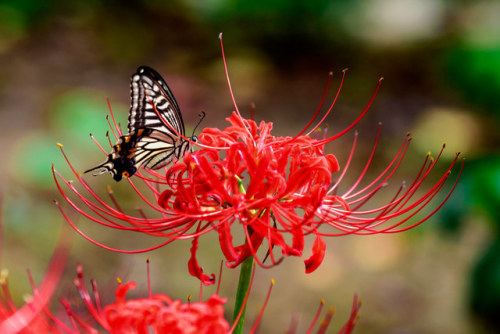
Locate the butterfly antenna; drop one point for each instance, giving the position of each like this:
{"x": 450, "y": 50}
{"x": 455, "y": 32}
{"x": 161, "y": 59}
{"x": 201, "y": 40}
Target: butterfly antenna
{"x": 201, "y": 116}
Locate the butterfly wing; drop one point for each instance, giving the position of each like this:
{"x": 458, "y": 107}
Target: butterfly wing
{"x": 150, "y": 142}
{"x": 149, "y": 92}
{"x": 156, "y": 149}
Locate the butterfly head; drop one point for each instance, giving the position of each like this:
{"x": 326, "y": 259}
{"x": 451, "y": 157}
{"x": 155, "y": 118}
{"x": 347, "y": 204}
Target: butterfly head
{"x": 194, "y": 139}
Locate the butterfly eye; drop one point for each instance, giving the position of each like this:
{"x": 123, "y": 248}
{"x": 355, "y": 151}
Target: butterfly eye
{"x": 194, "y": 138}
{"x": 126, "y": 174}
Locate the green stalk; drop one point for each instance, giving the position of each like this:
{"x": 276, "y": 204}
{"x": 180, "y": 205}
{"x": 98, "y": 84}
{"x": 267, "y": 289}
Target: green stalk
{"x": 243, "y": 286}
{"x": 244, "y": 282}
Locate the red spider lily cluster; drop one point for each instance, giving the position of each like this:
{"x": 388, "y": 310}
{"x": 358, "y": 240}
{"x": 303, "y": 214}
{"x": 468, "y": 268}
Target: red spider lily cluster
{"x": 275, "y": 187}
{"x": 277, "y": 190}
{"x": 163, "y": 315}
{"x": 157, "y": 313}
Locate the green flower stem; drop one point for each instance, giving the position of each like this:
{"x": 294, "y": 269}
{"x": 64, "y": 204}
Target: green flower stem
{"x": 244, "y": 282}
{"x": 243, "y": 286}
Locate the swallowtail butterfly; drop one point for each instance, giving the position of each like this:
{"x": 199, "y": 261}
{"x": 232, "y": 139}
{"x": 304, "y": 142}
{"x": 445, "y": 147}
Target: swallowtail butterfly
{"x": 150, "y": 142}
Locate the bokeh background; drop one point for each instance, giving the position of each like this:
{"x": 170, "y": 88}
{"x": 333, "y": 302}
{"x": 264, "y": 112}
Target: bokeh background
{"x": 59, "y": 61}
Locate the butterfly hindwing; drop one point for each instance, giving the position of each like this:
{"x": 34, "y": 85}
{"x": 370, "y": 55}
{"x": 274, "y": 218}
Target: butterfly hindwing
{"x": 154, "y": 125}
{"x": 156, "y": 149}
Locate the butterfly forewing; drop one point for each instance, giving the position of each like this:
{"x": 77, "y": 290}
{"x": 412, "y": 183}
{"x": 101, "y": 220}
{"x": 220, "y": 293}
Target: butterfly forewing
{"x": 150, "y": 97}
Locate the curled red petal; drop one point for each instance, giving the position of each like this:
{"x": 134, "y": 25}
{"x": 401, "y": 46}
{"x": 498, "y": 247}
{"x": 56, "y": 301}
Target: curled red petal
{"x": 122, "y": 290}
{"x": 248, "y": 249}
{"x": 164, "y": 197}
{"x": 226, "y": 242}
{"x": 318, "y": 254}
{"x": 333, "y": 163}
{"x": 297, "y": 243}
{"x": 195, "y": 269}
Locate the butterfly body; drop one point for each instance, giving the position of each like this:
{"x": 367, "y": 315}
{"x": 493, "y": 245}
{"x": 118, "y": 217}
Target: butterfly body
{"x": 155, "y": 129}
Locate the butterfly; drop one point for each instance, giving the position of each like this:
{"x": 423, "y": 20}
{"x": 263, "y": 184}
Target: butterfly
{"x": 150, "y": 142}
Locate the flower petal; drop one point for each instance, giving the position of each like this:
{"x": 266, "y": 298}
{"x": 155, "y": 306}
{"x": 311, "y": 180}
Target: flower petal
{"x": 318, "y": 254}
{"x": 195, "y": 269}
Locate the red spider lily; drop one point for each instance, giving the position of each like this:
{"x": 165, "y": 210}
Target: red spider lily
{"x": 157, "y": 313}
{"x": 165, "y": 315}
{"x": 276, "y": 190}
{"x": 160, "y": 314}
{"x": 279, "y": 186}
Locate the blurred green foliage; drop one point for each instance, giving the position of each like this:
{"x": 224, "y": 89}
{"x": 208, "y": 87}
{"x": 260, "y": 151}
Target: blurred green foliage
{"x": 478, "y": 195}
{"x": 475, "y": 72}
{"x": 75, "y": 112}
{"x": 485, "y": 288}
{"x": 478, "y": 192}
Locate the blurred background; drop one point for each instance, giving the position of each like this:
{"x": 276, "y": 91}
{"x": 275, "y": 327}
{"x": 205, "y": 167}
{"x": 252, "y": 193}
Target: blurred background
{"x": 441, "y": 63}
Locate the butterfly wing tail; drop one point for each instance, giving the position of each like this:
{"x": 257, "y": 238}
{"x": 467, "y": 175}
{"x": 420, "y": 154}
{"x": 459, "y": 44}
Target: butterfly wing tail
{"x": 101, "y": 169}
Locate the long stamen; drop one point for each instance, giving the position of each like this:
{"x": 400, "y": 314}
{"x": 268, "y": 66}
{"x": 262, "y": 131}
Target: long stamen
{"x": 143, "y": 250}
{"x": 330, "y": 75}
{"x": 111, "y": 127}
{"x": 149, "y": 277}
{"x": 356, "y": 121}
{"x": 114, "y": 121}
{"x": 316, "y": 317}
{"x": 85, "y": 296}
{"x": 109, "y": 139}
{"x": 229, "y": 84}
{"x": 263, "y": 308}
{"x": 326, "y": 320}
{"x": 98, "y": 145}
{"x": 220, "y": 277}
{"x": 344, "y": 71}
{"x": 97, "y": 298}
{"x": 227, "y": 76}
{"x": 349, "y": 326}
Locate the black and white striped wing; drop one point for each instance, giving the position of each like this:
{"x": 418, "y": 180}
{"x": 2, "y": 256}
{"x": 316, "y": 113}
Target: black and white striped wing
{"x": 155, "y": 149}
{"x": 151, "y": 96}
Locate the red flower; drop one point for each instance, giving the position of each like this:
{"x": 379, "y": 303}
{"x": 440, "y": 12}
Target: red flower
{"x": 277, "y": 190}
{"x": 160, "y": 314}
{"x": 272, "y": 187}
{"x": 164, "y": 315}
{"x": 157, "y": 313}
{"x": 32, "y": 317}
{"x": 261, "y": 182}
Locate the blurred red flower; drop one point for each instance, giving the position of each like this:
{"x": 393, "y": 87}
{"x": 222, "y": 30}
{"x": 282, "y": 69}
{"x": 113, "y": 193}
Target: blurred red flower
{"x": 157, "y": 313}
{"x": 164, "y": 315}
{"x": 31, "y": 316}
